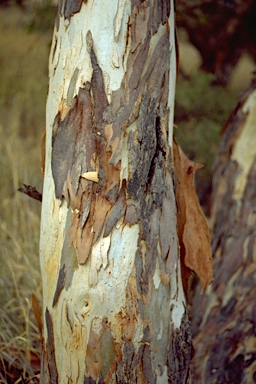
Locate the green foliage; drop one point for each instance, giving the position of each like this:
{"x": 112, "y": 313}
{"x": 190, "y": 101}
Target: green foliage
{"x": 201, "y": 111}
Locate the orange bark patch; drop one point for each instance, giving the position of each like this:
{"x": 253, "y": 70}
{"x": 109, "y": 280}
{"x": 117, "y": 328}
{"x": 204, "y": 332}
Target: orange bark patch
{"x": 194, "y": 238}
{"x": 84, "y": 238}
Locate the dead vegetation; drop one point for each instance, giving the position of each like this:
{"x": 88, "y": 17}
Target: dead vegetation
{"x": 23, "y": 88}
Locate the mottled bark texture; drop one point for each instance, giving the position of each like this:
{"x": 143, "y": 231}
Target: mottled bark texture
{"x": 114, "y": 307}
{"x": 224, "y": 320}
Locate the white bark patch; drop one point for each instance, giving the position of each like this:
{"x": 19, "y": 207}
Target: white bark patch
{"x": 156, "y": 277}
{"x": 108, "y": 271}
{"x": 99, "y": 259}
{"x": 178, "y": 301}
{"x": 244, "y": 148}
{"x": 119, "y": 18}
{"x": 163, "y": 379}
{"x": 71, "y": 55}
{"x": 92, "y": 176}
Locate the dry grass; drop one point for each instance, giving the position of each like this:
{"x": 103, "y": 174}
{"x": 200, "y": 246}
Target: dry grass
{"x": 23, "y": 89}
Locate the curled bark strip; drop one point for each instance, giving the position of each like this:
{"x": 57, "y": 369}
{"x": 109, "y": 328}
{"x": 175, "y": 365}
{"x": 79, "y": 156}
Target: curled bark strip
{"x": 194, "y": 238}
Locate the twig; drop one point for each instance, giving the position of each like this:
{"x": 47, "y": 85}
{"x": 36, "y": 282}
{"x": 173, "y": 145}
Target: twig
{"x": 31, "y": 192}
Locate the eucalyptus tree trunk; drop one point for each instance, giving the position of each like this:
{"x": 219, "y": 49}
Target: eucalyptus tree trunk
{"x": 224, "y": 319}
{"x": 114, "y": 308}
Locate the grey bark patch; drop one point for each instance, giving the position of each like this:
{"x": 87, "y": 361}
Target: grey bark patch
{"x": 161, "y": 13}
{"x": 71, "y": 266}
{"x": 142, "y": 147}
{"x": 147, "y": 162}
{"x": 60, "y": 284}
{"x": 71, "y": 7}
{"x": 113, "y": 193}
{"x": 149, "y": 268}
{"x": 108, "y": 353}
{"x": 62, "y": 156}
{"x": 138, "y": 269}
{"x": 90, "y": 380}
{"x": 180, "y": 352}
{"x": 57, "y": 20}
{"x": 159, "y": 311}
{"x": 166, "y": 217}
{"x": 50, "y": 349}
{"x": 54, "y": 49}
{"x": 225, "y": 216}
{"x": 73, "y": 143}
{"x": 126, "y": 369}
{"x": 68, "y": 253}
{"x": 115, "y": 215}
{"x": 145, "y": 268}
{"x": 147, "y": 337}
{"x": 147, "y": 369}
{"x": 86, "y": 206}
{"x": 131, "y": 217}
{"x": 100, "y": 100}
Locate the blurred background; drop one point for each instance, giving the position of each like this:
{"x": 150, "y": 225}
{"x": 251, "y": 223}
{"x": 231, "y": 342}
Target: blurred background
{"x": 217, "y": 52}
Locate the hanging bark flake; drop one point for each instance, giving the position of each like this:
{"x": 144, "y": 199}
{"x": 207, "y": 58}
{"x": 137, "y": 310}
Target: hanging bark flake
{"x": 194, "y": 238}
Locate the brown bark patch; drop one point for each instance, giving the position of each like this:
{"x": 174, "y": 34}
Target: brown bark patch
{"x": 84, "y": 238}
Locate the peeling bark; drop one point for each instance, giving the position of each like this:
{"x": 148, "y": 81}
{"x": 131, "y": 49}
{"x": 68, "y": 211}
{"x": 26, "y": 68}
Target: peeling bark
{"x": 194, "y": 237}
{"x": 113, "y": 297}
{"x": 224, "y": 319}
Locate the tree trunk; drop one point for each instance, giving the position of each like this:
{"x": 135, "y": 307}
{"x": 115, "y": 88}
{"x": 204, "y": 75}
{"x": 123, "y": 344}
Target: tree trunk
{"x": 113, "y": 303}
{"x": 224, "y": 319}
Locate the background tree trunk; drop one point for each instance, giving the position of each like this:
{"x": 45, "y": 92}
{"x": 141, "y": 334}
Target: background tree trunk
{"x": 113, "y": 303}
{"x": 221, "y": 47}
{"x": 224, "y": 319}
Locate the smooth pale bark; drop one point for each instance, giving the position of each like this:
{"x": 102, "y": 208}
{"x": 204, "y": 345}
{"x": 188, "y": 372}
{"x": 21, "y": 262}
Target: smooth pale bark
{"x": 113, "y": 303}
{"x": 224, "y": 319}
